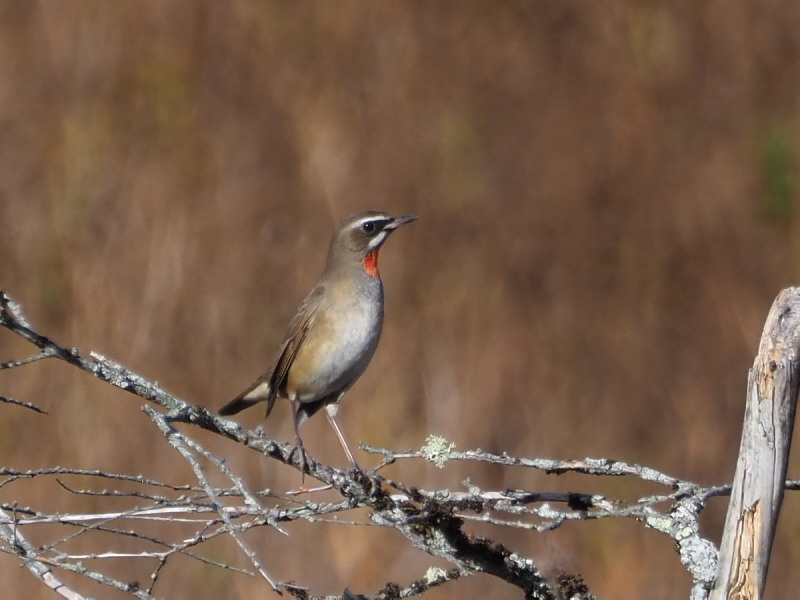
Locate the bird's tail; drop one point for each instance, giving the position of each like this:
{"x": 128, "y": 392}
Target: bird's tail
{"x": 259, "y": 392}
{"x": 237, "y": 405}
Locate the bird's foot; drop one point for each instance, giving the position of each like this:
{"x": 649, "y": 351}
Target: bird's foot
{"x": 303, "y": 459}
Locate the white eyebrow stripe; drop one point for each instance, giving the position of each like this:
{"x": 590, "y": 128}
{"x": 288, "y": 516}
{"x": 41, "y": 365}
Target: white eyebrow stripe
{"x": 372, "y": 219}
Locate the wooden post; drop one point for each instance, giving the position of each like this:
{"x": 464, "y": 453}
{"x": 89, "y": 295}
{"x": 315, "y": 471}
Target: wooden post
{"x": 758, "y": 486}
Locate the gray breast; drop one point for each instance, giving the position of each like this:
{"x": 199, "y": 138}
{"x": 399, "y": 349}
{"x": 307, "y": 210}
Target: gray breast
{"x": 353, "y": 325}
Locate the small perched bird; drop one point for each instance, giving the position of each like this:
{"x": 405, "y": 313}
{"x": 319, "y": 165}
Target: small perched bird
{"x": 334, "y": 333}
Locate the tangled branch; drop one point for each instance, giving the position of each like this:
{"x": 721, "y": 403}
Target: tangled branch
{"x": 191, "y": 514}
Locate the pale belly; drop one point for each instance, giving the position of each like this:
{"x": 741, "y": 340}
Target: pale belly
{"x": 342, "y": 349}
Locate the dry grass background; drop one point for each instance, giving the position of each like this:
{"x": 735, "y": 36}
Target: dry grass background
{"x": 607, "y": 200}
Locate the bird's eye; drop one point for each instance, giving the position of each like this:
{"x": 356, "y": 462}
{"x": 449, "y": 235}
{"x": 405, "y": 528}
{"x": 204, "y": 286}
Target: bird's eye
{"x": 368, "y": 227}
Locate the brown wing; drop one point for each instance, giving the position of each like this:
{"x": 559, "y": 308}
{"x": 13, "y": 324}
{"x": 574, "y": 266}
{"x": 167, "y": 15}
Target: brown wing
{"x": 298, "y": 329}
{"x": 273, "y": 382}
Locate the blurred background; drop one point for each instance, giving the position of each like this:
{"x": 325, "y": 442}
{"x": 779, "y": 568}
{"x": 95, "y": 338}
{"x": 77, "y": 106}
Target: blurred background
{"x": 607, "y": 196}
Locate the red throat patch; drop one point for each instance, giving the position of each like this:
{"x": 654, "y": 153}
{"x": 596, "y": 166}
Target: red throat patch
{"x": 371, "y": 264}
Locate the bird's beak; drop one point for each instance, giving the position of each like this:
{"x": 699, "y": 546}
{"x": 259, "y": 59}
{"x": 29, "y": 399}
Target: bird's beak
{"x": 398, "y": 221}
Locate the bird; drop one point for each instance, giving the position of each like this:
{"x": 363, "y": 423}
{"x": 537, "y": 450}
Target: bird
{"x": 334, "y": 333}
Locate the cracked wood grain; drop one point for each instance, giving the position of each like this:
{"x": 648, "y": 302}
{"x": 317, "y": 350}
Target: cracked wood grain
{"x": 758, "y": 485}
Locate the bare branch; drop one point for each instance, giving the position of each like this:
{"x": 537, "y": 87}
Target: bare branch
{"x": 432, "y": 520}
{"x": 28, "y": 405}
{"x": 40, "y": 566}
{"x": 182, "y": 445}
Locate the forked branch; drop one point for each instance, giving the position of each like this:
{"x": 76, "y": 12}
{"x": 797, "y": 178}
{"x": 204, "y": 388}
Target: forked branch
{"x": 435, "y": 521}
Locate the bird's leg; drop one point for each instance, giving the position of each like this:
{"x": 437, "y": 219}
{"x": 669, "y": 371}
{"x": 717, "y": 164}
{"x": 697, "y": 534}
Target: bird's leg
{"x": 298, "y": 441}
{"x": 331, "y": 410}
